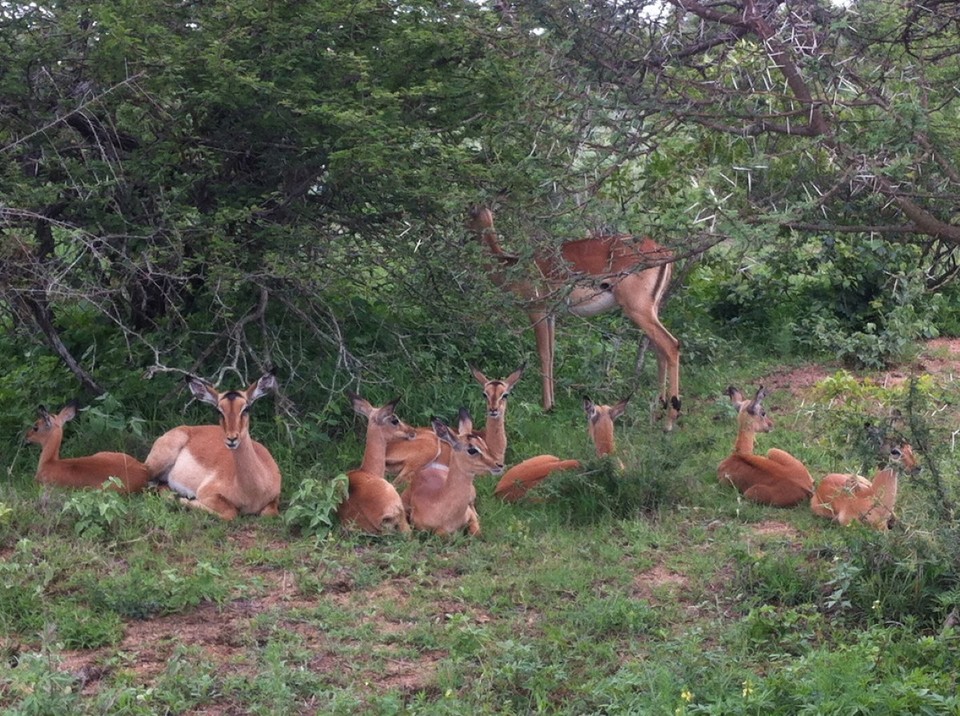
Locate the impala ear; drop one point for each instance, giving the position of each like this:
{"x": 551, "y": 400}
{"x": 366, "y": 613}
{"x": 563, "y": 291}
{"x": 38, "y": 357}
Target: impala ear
{"x": 443, "y": 432}
{"x": 479, "y": 377}
{"x": 360, "y": 405}
{"x": 391, "y": 406}
{"x": 266, "y": 384}
{"x": 465, "y": 426}
{"x": 68, "y": 412}
{"x": 617, "y": 410}
{"x": 589, "y": 408}
{"x": 202, "y": 390}
{"x": 736, "y": 397}
{"x": 754, "y": 406}
{"x": 44, "y": 415}
{"x": 516, "y": 375}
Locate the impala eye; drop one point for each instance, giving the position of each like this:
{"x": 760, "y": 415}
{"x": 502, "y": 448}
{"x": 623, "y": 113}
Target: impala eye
{"x": 472, "y": 451}
{"x": 394, "y": 420}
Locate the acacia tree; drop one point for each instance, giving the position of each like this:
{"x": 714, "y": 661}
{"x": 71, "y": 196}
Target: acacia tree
{"x": 820, "y": 117}
{"x": 203, "y": 180}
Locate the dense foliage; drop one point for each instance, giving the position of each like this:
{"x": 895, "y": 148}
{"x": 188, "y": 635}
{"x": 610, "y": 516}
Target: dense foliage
{"x": 217, "y": 188}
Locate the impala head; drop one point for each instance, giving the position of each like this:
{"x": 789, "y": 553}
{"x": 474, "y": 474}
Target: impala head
{"x": 384, "y": 418}
{"x": 497, "y": 391}
{"x": 233, "y": 405}
{"x": 468, "y": 448}
{"x": 46, "y": 424}
{"x": 479, "y": 219}
{"x": 600, "y": 423}
{"x": 901, "y": 455}
{"x": 751, "y": 415}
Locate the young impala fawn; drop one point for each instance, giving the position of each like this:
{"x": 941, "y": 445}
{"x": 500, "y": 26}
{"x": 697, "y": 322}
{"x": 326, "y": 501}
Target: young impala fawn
{"x": 440, "y": 499}
{"x": 220, "y": 468}
{"x": 90, "y": 471}
{"x": 372, "y": 504}
{"x": 521, "y": 478}
{"x": 845, "y": 498}
{"x": 496, "y": 392}
{"x": 778, "y": 479}
{"x": 406, "y": 458}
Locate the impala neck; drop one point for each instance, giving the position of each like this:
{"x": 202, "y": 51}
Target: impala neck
{"x": 247, "y": 464}
{"x": 495, "y": 434}
{"x": 50, "y": 450}
{"x": 745, "y": 442}
{"x": 603, "y": 440}
{"x": 885, "y": 485}
{"x": 375, "y": 452}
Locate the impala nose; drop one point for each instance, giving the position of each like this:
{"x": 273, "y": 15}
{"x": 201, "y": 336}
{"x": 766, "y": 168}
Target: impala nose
{"x": 232, "y": 442}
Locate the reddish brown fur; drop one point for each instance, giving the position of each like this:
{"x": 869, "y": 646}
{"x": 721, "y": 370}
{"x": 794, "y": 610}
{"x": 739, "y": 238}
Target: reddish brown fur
{"x": 373, "y": 504}
{"x": 600, "y": 272}
{"x": 523, "y": 477}
{"x": 778, "y": 479}
{"x": 441, "y": 498}
{"x": 496, "y": 393}
{"x": 220, "y": 469}
{"x": 91, "y": 471}
{"x": 846, "y": 498}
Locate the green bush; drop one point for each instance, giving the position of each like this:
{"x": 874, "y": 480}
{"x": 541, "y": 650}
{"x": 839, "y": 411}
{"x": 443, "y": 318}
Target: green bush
{"x": 312, "y": 507}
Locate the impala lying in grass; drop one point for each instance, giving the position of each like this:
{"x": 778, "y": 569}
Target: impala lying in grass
{"x": 521, "y": 478}
{"x": 846, "y": 498}
{"x": 220, "y": 468}
{"x": 373, "y": 504}
{"x": 778, "y": 478}
{"x": 440, "y": 498}
{"x": 91, "y": 471}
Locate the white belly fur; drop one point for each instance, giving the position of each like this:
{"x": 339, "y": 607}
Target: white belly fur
{"x": 587, "y": 301}
{"x": 186, "y": 475}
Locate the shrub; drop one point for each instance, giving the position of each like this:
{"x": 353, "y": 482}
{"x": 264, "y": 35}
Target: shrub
{"x": 312, "y": 508}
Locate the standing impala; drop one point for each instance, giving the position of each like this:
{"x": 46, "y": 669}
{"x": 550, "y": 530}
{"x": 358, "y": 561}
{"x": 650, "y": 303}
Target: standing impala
{"x": 220, "y": 469}
{"x": 845, "y": 498}
{"x": 373, "y": 504}
{"x": 524, "y": 476}
{"x": 90, "y": 471}
{"x": 595, "y": 275}
{"x": 778, "y": 479}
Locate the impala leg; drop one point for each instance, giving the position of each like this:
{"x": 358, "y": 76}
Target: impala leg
{"x": 543, "y": 328}
{"x": 212, "y": 503}
{"x": 667, "y": 349}
{"x": 272, "y": 509}
{"x": 473, "y": 522}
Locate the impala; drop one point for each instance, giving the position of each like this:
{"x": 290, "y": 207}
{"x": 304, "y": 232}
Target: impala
{"x": 778, "y": 479}
{"x": 90, "y": 471}
{"x": 521, "y": 478}
{"x": 593, "y": 275}
{"x": 845, "y": 498}
{"x": 407, "y": 457}
{"x": 496, "y": 392}
{"x": 220, "y": 469}
{"x": 372, "y": 504}
{"x": 440, "y": 498}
